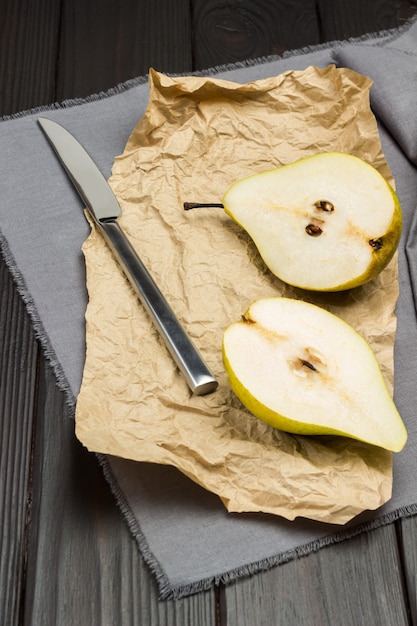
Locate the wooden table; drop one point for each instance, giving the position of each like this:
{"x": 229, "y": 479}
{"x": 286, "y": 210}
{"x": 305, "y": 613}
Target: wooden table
{"x": 67, "y": 557}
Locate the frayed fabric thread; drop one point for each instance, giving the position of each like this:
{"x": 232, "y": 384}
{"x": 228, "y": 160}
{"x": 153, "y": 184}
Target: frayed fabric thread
{"x": 377, "y": 38}
{"x": 74, "y": 102}
{"x": 177, "y": 592}
{"x": 168, "y": 591}
{"x": 134, "y": 527}
{"x": 39, "y": 330}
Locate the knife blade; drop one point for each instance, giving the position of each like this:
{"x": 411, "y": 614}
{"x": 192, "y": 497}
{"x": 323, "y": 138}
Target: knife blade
{"x": 104, "y": 208}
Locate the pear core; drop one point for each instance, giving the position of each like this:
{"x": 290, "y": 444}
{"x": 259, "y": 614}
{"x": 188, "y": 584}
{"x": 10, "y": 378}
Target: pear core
{"x": 304, "y": 370}
{"x": 327, "y": 222}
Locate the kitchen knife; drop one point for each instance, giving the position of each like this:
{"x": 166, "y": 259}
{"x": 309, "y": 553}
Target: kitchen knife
{"x": 104, "y": 209}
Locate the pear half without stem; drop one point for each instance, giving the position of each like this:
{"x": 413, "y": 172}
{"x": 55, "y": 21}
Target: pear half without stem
{"x": 302, "y": 369}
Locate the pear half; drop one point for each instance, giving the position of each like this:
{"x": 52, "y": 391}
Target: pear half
{"x": 304, "y": 370}
{"x": 327, "y": 222}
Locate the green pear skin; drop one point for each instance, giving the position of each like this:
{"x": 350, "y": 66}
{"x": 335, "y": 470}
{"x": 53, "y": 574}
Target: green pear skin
{"x": 303, "y": 370}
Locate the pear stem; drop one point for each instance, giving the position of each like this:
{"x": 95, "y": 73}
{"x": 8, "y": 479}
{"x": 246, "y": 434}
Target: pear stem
{"x": 200, "y": 205}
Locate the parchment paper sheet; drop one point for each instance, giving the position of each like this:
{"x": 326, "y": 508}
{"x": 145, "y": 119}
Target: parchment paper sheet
{"x": 198, "y": 135}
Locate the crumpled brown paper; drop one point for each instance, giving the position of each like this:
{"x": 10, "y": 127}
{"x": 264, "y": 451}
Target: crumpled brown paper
{"x": 197, "y": 136}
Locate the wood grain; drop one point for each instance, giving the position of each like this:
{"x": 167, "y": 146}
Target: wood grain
{"x": 18, "y": 387}
{"x": 407, "y": 533}
{"x": 227, "y": 32}
{"x": 106, "y": 44}
{"x": 29, "y": 31}
{"x": 358, "y": 582}
{"x": 341, "y": 20}
{"x": 51, "y": 51}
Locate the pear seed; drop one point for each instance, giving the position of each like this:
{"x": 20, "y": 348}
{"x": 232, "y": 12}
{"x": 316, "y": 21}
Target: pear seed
{"x": 313, "y": 230}
{"x": 324, "y": 205}
{"x": 305, "y": 363}
{"x": 376, "y": 243}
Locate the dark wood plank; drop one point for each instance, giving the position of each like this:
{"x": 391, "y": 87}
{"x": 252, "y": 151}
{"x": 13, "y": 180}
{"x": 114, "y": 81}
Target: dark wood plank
{"x": 407, "y": 530}
{"x": 106, "y": 43}
{"x": 18, "y": 354}
{"x": 341, "y": 20}
{"x": 51, "y": 51}
{"x": 29, "y": 31}
{"x": 227, "y": 32}
{"x": 355, "y": 582}
{"x": 83, "y": 566}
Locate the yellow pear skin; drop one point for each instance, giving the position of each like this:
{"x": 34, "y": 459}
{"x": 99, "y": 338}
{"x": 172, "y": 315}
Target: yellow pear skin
{"x": 303, "y": 370}
{"x": 327, "y": 222}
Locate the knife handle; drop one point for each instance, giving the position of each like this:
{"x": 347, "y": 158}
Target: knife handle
{"x": 198, "y": 376}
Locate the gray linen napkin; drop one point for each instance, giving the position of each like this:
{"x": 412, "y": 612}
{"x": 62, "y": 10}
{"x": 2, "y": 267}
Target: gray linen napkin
{"x": 177, "y": 523}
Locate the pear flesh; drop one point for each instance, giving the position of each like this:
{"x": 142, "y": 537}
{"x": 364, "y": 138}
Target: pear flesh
{"x": 304, "y": 370}
{"x": 327, "y": 222}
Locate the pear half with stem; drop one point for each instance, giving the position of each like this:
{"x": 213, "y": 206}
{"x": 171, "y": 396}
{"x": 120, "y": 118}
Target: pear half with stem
{"x": 327, "y": 222}
{"x": 304, "y": 370}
